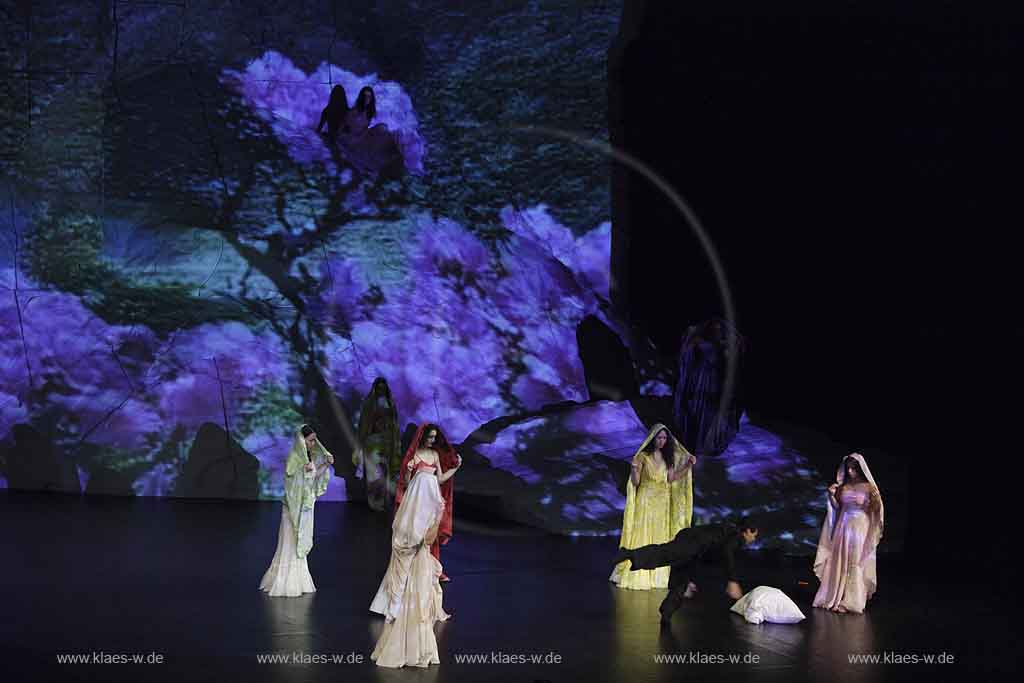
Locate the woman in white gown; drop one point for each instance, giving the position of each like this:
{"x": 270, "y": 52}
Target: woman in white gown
{"x": 410, "y": 594}
{"x": 306, "y": 476}
{"x": 845, "y": 562}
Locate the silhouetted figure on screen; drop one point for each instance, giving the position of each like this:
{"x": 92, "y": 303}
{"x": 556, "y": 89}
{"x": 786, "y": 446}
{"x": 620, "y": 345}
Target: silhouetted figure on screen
{"x": 371, "y": 149}
{"x": 335, "y": 114}
{"x": 705, "y": 426}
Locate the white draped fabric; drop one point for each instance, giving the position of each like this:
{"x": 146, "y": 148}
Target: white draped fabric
{"x": 410, "y": 596}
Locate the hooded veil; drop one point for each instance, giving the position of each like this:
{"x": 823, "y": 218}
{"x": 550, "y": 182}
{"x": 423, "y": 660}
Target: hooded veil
{"x": 378, "y": 451}
{"x": 302, "y": 488}
{"x": 368, "y": 415}
{"x": 876, "y": 521}
{"x": 680, "y": 492}
{"x": 708, "y": 419}
{"x": 447, "y": 459}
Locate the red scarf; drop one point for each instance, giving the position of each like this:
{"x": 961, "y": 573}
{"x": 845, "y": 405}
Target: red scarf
{"x": 447, "y": 459}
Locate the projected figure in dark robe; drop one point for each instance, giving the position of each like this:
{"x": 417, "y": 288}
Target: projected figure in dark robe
{"x": 378, "y": 454}
{"x": 371, "y": 149}
{"x": 706, "y": 426}
{"x": 334, "y": 114}
{"x": 430, "y": 449}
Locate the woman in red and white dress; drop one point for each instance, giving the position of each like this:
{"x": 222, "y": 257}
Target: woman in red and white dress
{"x": 410, "y": 594}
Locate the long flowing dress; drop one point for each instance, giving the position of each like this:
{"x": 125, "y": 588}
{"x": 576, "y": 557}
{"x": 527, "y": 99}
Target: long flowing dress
{"x": 410, "y": 595}
{"x": 379, "y": 451}
{"x": 656, "y": 511}
{"x": 370, "y": 149}
{"x": 448, "y": 459}
{"x": 846, "y": 562}
{"x": 288, "y": 574}
{"x": 706, "y": 427}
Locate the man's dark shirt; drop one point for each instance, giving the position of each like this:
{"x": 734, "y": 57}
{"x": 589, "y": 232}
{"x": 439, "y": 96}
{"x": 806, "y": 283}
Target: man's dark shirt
{"x": 709, "y": 543}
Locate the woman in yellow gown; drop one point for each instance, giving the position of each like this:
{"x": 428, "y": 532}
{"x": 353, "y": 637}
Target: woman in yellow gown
{"x": 659, "y": 503}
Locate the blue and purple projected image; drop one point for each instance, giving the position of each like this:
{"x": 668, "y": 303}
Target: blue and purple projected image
{"x": 241, "y": 235}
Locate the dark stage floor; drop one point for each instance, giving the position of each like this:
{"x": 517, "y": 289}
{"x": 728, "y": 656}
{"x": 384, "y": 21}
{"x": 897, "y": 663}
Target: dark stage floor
{"x": 179, "y": 579}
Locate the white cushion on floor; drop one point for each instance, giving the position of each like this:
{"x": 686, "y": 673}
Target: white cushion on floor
{"x": 765, "y": 603}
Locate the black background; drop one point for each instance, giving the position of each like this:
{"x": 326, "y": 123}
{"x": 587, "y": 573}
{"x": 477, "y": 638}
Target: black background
{"x": 855, "y": 165}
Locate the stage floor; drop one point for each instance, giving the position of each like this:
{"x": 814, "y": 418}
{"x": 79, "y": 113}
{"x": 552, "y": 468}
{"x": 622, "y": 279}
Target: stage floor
{"x": 178, "y": 579}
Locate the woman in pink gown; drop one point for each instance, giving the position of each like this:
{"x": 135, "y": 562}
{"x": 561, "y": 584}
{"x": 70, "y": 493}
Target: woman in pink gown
{"x": 845, "y": 561}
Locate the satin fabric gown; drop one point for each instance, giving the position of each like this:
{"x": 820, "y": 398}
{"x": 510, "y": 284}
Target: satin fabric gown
{"x": 410, "y": 596}
{"x": 848, "y": 577}
{"x": 288, "y": 574}
{"x": 648, "y": 521}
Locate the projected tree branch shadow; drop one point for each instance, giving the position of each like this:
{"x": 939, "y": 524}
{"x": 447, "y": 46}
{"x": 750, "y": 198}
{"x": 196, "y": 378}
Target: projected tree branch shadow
{"x": 227, "y": 167}
{"x": 190, "y": 265}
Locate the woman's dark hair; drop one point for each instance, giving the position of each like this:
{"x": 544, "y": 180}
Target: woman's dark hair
{"x": 366, "y": 102}
{"x": 307, "y": 430}
{"x": 747, "y": 524}
{"x": 668, "y": 454}
{"x": 377, "y": 384}
{"x": 334, "y": 113}
{"x": 441, "y": 442}
{"x": 850, "y": 460}
{"x": 339, "y": 100}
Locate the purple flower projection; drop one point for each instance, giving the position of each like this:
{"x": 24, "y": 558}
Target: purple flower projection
{"x": 756, "y": 456}
{"x": 655, "y": 387}
{"x": 87, "y": 369}
{"x": 610, "y": 429}
{"x": 465, "y": 329}
{"x": 116, "y": 385}
{"x": 336, "y": 491}
{"x": 272, "y": 452}
{"x": 759, "y": 473}
{"x": 467, "y": 334}
{"x": 215, "y": 368}
{"x": 13, "y": 408}
{"x": 587, "y": 256}
{"x": 159, "y": 481}
{"x": 563, "y": 461}
{"x": 290, "y": 101}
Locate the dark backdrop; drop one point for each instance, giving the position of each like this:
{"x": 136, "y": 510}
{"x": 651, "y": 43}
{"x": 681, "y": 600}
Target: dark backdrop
{"x": 855, "y": 166}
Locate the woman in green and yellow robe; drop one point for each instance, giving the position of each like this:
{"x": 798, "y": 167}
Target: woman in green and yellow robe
{"x": 306, "y": 476}
{"x": 659, "y": 503}
{"x": 378, "y": 454}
